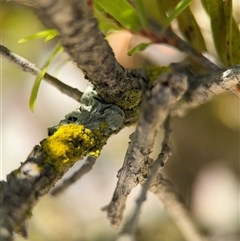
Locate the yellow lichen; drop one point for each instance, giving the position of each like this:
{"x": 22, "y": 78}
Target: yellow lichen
{"x": 94, "y": 153}
{"x": 68, "y": 144}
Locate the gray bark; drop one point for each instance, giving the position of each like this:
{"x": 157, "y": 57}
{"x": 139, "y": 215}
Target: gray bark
{"x": 119, "y": 92}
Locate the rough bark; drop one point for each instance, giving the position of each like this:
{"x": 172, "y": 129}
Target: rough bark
{"x": 117, "y": 103}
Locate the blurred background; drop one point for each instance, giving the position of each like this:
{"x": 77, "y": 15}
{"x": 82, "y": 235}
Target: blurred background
{"x": 204, "y": 167}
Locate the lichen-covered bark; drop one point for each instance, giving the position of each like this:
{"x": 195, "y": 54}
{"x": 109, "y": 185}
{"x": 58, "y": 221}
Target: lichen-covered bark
{"x": 23, "y": 188}
{"x": 155, "y": 109}
{"x": 69, "y": 142}
{"x": 44, "y": 166}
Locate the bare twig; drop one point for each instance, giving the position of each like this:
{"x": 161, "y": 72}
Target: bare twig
{"x": 204, "y": 87}
{"x": 174, "y": 40}
{"x": 84, "y": 169}
{"x": 166, "y": 152}
{"x": 166, "y": 193}
{"x": 155, "y": 109}
{"x": 171, "y": 38}
{"x": 31, "y": 68}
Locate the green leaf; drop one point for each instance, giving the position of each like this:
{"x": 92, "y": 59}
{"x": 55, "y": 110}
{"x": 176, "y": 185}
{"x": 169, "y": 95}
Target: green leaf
{"x": 47, "y": 34}
{"x": 190, "y": 30}
{"x": 157, "y": 10}
{"x": 215, "y": 9}
{"x": 225, "y": 31}
{"x": 177, "y": 10}
{"x": 105, "y": 23}
{"x": 235, "y": 43}
{"x": 228, "y": 29}
{"x": 138, "y": 48}
{"x": 232, "y": 38}
{"x": 52, "y": 35}
{"x": 39, "y": 78}
{"x": 122, "y": 11}
{"x": 142, "y": 13}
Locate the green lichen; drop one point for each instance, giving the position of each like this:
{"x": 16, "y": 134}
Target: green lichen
{"x": 131, "y": 100}
{"x": 100, "y": 138}
{"x": 93, "y": 111}
{"x": 131, "y": 116}
{"x": 130, "y": 103}
{"x": 69, "y": 144}
{"x": 154, "y": 72}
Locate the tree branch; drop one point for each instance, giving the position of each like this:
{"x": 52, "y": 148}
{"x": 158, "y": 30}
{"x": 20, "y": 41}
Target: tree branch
{"x": 84, "y": 169}
{"x": 166, "y": 152}
{"x": 86, "y": 45}
{"x": 202, "y": 88}
{"x": 83, "y": 132}
{"x": 166, "y": 193}
{"x": 155, "y": 108}
{"x": 86, "y": 130}
{"x": 172, "y": 39}
{"x": 45, "y": 165}
{"x": 31, "y": 68}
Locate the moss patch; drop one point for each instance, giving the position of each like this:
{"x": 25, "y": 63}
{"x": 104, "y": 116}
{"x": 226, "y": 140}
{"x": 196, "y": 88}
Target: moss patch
{"x": 132, "y": 99}
{"x": 154, "y": 72}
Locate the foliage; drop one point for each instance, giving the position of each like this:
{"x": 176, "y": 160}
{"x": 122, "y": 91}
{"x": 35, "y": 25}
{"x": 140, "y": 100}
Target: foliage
{"x": 152, "y": 20}
{"x": 144, "y": 18}
{"x": 226, "y": 35}
{"x": 48, "y": 34}
{"x": 39, "y": 78}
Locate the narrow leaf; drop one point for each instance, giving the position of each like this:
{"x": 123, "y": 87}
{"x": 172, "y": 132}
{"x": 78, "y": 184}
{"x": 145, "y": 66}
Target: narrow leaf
{"x": 156, "y": 10}
{"x": 228, "y": 29}
{"x": 225, "y": 31}
{"x": 142, "y": 13}
{"x": 215, "y": 9}
{"x": 235, "y": 43}
{"x": 232, "y": 38}
{"x": 123, "y": 12}
{"x": 138, "y": 48}
{"x": 177, "y": 10}
{"x": 190, "y": 29}
{"x": 48, "y": 34}
{"x": 51, "y": 36}
{"x": 39, "y": 78}
{"x": 105, "y": 23}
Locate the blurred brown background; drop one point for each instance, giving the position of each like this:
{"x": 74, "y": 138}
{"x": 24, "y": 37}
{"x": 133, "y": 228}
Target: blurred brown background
{"x": 204, "y": 167}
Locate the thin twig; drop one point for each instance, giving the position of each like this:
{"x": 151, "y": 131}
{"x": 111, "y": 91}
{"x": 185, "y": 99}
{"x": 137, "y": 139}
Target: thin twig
{"x": 166, "y": 193}
{"x": 155, "y": 108}
{"x": 31, "y": 68}
{"x": 166, "y": 152}
{"x": 84, "y": 169}
{"x": 203, "y": 88}
{"x": 171, "y": 38}
{"x": 174, "y": 40}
